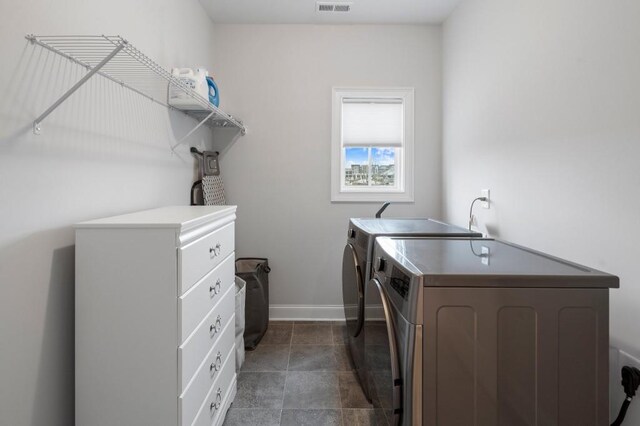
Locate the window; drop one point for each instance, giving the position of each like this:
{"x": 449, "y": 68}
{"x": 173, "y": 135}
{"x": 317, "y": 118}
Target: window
{"x": 372, "y": 145}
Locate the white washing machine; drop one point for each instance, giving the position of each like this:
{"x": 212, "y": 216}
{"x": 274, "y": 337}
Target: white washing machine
{"x": 356, "y": 269}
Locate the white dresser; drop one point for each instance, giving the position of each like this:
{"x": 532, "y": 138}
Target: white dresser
{"x": 155, "y": 302}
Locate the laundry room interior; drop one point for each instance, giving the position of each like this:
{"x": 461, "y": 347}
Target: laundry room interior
{"x": 301, "y": 212}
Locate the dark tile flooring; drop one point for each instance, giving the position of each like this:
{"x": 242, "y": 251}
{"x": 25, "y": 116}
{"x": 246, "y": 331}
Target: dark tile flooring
{"x": 300, "y": 374}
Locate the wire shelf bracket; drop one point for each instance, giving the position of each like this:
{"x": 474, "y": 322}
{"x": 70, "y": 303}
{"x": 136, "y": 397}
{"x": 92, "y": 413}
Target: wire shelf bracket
{"x": 116, "y": 59}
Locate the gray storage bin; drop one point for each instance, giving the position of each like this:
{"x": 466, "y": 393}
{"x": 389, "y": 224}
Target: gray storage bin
{"x": 255, "y": 271}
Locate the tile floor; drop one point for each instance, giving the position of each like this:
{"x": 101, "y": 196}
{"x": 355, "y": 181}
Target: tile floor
{"x": 301, "y": 374}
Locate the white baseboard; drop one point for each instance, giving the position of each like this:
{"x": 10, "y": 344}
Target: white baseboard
{"x": 306, "y": 312}
{"x": 316, "y": 313}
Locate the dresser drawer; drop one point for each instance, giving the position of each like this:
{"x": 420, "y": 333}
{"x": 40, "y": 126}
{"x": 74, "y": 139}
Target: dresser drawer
{"x": 197, "y": 346}
{"x": 216, "y": 402}
{"x": 207, "y": 374}
{"x": 197, "y": 302}
{"x": 204, "y": 254}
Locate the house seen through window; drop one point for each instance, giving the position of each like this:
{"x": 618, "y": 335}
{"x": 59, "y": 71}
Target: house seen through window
{"x": 371, "y": 166}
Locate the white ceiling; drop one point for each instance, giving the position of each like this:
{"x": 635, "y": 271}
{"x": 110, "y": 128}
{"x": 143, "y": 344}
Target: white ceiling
{"x": 304, "y": 11}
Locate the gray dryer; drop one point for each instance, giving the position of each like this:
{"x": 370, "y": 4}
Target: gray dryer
{"x": 483, "y": 332}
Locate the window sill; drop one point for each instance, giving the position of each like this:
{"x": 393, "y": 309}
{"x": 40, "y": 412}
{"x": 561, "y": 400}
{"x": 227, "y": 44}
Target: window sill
{"x": 371, "y": 197}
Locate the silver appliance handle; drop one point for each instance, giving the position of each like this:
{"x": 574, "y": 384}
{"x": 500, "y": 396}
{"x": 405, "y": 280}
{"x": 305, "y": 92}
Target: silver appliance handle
{"x": 393, "y": 350}
{"x": 360, "y": 284}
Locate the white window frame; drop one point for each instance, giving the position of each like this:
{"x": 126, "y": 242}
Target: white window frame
{"x": 404, "y": 191}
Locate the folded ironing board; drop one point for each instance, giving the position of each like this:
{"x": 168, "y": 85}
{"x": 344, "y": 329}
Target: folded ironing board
{"x": 212, "y": 185}
{"x": 213, "y": 190}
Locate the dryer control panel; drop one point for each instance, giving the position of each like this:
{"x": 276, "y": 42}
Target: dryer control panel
{"x": 400, "y": 282}
{"x": 396, "y": 278}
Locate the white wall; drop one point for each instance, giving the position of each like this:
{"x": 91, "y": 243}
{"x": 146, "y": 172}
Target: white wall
{"x": 105, "y": 151}
{"x": 278, "y": 78}
{"x": 542, "y": 106}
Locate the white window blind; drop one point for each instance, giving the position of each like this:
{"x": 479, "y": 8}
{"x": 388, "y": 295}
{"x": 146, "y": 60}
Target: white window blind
{"x": 375, "y": 122}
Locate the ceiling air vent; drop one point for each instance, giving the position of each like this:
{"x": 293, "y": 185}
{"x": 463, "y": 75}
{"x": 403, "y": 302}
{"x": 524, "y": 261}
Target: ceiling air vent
{"x": 322, "y": 7}
{"x": 333, "y": 7}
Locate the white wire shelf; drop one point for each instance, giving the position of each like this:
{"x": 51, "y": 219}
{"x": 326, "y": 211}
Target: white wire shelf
{"x": 116, "y": 59}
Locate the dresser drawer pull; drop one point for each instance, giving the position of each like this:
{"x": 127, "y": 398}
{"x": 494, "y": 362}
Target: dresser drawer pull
{"x": 215, "y": 251}
{"x": 215, "y": 328}
{"x": 218, "y": 402}
{"x": 215, "y": 289}
{"x": 215, "y": 366}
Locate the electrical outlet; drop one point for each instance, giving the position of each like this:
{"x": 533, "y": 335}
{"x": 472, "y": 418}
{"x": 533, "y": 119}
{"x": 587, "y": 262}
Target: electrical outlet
{"x": 486, "y": 193}
{"x": 486, "y": 253}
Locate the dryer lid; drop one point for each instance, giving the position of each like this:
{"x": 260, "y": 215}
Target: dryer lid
{"x": 488, "y": 263}
{"x": 399, "y": 227}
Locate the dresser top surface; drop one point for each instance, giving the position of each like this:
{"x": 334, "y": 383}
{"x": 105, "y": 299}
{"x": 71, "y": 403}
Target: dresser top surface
{"x": 175, "y": 217}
